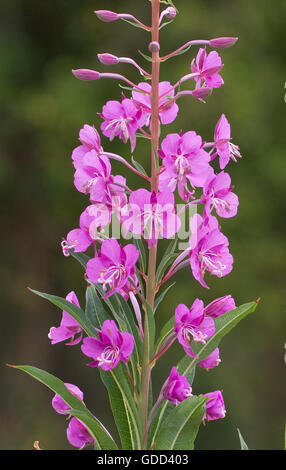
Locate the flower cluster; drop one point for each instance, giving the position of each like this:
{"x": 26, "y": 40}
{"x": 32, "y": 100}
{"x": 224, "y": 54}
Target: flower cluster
{"x": 125, "y": 277}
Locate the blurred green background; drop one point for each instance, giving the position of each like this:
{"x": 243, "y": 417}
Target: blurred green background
{"x": 42, "y": 109}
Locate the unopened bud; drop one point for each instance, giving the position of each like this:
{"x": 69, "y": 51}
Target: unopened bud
{"x": 202, "y": 92}
{"x": 170, "y": 12}
{"x": 222, "y": 43}
{"x": 106, "y": 15}
{"x": 107, "y": 59}
{"x": 86, "y": 74}
{"x": 154, "y": 46}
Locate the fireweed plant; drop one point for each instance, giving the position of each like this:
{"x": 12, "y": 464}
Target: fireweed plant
{"x": 125, "y": 281}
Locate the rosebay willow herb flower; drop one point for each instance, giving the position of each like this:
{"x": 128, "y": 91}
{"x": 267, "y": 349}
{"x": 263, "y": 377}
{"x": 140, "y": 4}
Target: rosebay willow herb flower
{"x": 192, "y": 325}
{"x": 69, "y": 327}
{"x": 152, "y": 215}
{"x": 111, "y": 347}
{"x": 184, "y": 160}
{"x": 113, "y": 266}
{"x": 125, "y": 280}
{"x": 215, "y": 408}
{"x": 176, "y": 388}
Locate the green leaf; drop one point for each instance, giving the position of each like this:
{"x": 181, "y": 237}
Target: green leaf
{"x": 76, "y": 312}
{"x": 147, "y": 57}
{"x": 161, "y": 296}
{"x": 179, "y": 430}
{"x": 224, "y": 325}
{"x": 178, "y": 53}
{"x": 165, "y": 24}
{"x": 94, "y": 310}
{"x": 167, "y": 329}
{"x": 81, "y": 257}
{"x": 164, "y": 264}
{"x": 138, "y": 166}
{"x": 133, "y": 23}
{"x": 103, "y": 439}
{"x": 243, "y": 444}
{"x": 123, "y": 406}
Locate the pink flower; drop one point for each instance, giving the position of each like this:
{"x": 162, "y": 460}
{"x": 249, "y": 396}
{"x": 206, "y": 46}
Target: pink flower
{"x": 218, "y": 195}
{"x": 167, "y": 113}
{"x": 151, "y": 214}
{"x": 59, "y": 405}
{"x": 208, "y": 249}
{"x": 184, "y": 160}
{"x": 208, "y": 66}
{"x": 121, "y": 120}
{"x": 220, "y": 306}
{"x": 113, "y": 266}
{"x": 215, "y": 408}
{"x": 177, "y": 388}
{"x": 68, "y": 327}
{"x": 77, "y": 240}
{"x": 211, "y": 361}
{"x": 90, "y": 140}
{"x": 78, "y": 435}
{"x": 111, "y": 347}
{"x": 225, "y": 149}
{"x": 191, "y": 324}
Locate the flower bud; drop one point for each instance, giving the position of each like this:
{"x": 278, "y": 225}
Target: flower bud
{"x": 202, "y": 92}
{"x": 154, "y": 46}
{"x": 86, "y": 74}
{"x": 220, "y": 306}
{"x": 106, "y": 15}
{"x": 107, "y": 59}
{"x": 215, "y": 408}
{"x": 222, "y": 43}
{"x": 170, "y": 12}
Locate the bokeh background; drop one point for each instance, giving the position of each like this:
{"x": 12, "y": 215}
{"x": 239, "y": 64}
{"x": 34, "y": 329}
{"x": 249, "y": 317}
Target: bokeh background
{"x": 42, "y": 109}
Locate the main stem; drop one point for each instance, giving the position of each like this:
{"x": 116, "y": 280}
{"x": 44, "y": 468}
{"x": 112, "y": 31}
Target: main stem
{"x": 150, "y": 284}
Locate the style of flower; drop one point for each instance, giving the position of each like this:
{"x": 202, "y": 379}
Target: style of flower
{"x": 215, "y": 408}
{"x": 78, "y": 434}
{"x": 223, "y": 146}
{"x": 208, "y": 66}
{"x": 152, "y": 215}
{"x": 59, "y": 405}
{"x": 184, "y": 160}
{"x": 220, "y": 306}
{"x": 192, "y": 325}
{"x": 69, "y": 327}
{"x": 176, "y": 388}
{"x": 167, "y": 112}
{"x": 110, "y": 348}
{"x": 211, "y": 361}
{"x": 113, "y": 266}
{"x": 121, "y": 120}
{"x": 208, "y": 249}
{"x": 218, "y": 195}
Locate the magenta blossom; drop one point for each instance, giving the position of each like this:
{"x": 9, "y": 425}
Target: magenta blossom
{"x": 151, "y": 214}
{"x": 77, "y": 240}
{"x": 111, "y": 347}
{"x": 167, "y": 113}
{"x": 68, "y": 327}
{"x": 215, "y": 408}
{"x": 113, "y": 266}
{"x": 121, "y": 120}
{"x": 220, "y": 306}
{"x": 176, "y": 388}
{"x": 59, "y": 405}
{"x": 90, "y": 140}
{"x": 78, "y": 435}
{"x": 225, "y": 149}
{"x": 208, "y": 249}
{"x": 218, "y": 195}
{"x": 184, "y": 160}
{"x": 208, "y": 66}
{"x": 191, "y": 324}
{"x": 211, "y": 361}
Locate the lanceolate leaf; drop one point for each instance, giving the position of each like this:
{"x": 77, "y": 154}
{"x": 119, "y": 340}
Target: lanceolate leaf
{"x": 82, "y": 258}
{"x": 179, "y": 430}
{"x": 123, "y": 406}
{"x": 94, "y": 310}
{"x": 161, "y": 296}
{"x": 243, "y": 445}
{"x": 76, "y": 312}
{"x": 223, "y": 325}
{"x": 103, "y": 439}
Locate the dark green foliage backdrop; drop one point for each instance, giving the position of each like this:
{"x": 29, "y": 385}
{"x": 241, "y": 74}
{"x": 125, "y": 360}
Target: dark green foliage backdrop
{"x": 42, "y": 109}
